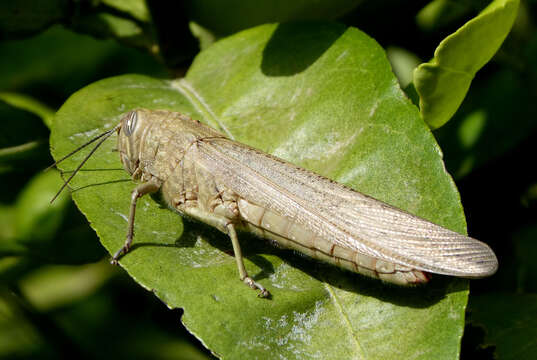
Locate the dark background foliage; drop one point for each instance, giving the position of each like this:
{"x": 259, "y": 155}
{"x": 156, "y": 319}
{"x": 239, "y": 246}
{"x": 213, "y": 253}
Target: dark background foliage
{"x": 58, "y": 295}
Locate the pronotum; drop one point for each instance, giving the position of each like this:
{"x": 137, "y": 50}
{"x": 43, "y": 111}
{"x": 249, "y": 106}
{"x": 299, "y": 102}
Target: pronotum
{"x": 229, "y": 185}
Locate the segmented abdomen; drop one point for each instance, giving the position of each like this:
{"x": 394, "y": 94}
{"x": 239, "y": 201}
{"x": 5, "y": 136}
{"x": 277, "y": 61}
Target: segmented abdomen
{"x": 289, "y": 234}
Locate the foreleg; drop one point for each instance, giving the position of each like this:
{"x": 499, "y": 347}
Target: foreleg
{"x": 146, "y": 188}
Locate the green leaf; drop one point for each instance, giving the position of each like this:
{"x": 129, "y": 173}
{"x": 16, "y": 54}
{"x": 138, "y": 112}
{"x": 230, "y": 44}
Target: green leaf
{"x": 51, "y": 287}
{"x": 204, "y": 36}
{"x": 439, "y": 14}
{"x": 403, "y": 64}
{"x": 37, "y": 220}
{"x": 23, "y": 141}
{"x": 49, "y": 232}
{"x": 321, "y": 96}
{"x": 529, "y": 198}
{"x": 19, "y": 338}
{"x": 442, "y": 83}
{"x": 106, "y": 25}
{"x": 30, "y": 104}
{"x": 509, "y": 321}
{"x": 137, "y": 8}
{"x": 7, "y": 234}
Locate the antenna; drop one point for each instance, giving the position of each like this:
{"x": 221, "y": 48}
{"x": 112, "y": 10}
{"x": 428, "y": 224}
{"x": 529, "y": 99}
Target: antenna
{"x": 104, "y": 136}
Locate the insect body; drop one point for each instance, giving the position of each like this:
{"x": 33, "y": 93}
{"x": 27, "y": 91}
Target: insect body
{"x": 226, "y": 184}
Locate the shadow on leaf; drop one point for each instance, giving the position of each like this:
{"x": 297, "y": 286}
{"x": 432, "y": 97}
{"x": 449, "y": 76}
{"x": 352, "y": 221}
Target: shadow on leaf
{"x": 291, "y": 51}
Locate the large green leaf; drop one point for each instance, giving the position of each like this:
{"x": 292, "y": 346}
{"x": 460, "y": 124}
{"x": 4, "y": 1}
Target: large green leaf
{"x": 319, "y": 95}
{"x": 442, "y": 83}
{"x": 439, "y": 14}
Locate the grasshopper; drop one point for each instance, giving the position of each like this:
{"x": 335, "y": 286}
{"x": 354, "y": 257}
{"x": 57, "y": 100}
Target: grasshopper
{"x": 206, "y": 176}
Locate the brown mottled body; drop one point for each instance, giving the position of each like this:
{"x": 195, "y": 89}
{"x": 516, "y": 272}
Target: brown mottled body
{"x": 204, "y": 175}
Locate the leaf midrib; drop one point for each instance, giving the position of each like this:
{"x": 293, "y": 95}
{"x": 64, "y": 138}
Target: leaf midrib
{"x": 186, "y": 89}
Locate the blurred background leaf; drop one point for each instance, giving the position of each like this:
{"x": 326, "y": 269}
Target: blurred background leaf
{"x": 443, "y": 82}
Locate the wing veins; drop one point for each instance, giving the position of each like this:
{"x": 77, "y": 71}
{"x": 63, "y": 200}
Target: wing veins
{"x": 400, "y": 237}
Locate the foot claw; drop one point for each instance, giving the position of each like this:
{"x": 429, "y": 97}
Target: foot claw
{"x": 263, "y": 293}
{"x": 118, "y": 254}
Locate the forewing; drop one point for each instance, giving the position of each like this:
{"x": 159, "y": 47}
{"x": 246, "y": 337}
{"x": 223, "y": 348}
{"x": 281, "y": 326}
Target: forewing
{"x": 342, "y": 215}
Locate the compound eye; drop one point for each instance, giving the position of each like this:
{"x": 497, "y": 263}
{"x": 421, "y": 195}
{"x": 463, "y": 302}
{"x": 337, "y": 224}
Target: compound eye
{"x": 130, "y": 124}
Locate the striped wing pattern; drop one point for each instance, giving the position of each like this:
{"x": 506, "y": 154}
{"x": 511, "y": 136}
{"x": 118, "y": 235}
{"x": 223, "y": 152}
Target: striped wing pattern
{"x": 343, "y": 216}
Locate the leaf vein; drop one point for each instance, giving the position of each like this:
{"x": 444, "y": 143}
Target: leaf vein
{"x": 199, "y": 103}
{"x": 345, "y": 318}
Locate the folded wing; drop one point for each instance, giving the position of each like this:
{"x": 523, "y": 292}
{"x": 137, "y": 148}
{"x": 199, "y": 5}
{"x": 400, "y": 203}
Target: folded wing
{"x": 342, "y": 215}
